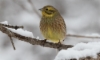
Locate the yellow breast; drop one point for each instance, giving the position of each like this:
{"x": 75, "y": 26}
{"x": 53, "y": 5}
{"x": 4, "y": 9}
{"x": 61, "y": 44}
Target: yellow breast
{"x": 53, "y": 36}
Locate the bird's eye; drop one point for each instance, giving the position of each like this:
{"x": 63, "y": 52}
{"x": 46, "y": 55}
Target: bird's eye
{"x": 46, "y": 9}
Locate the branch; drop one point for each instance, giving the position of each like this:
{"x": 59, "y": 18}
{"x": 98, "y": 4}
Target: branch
{"x": 33, "y": 41}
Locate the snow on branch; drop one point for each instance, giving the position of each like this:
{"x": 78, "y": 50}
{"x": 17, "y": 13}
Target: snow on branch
{"x": 12, "y": 33}
{"x": 81, "y": 51}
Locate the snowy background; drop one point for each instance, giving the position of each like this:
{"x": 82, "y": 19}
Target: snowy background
{"x": 81, "y": 16}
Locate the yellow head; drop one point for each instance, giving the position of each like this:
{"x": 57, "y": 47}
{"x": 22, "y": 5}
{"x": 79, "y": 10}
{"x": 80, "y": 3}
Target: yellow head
{"x": 48, "y": 11}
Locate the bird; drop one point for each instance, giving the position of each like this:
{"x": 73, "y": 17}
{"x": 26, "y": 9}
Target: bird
{"x": 52, "y": 24}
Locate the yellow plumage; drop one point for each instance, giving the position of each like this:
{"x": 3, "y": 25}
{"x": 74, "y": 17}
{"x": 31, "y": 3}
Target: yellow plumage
{"x": 52, "y": 25}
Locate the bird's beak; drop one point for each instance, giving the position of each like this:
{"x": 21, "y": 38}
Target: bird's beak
{"x": 40, "y": 9}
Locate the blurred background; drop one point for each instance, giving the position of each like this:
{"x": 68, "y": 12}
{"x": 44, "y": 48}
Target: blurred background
{"x": 81, "y": 17}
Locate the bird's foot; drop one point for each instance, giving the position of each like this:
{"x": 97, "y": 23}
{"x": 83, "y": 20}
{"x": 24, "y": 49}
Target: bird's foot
{"x": 44, "y": 41}
{"x": 63, "y": 40}
{"x": 59, "y": 44}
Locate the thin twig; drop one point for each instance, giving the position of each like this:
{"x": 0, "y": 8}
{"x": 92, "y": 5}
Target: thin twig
{"x": 80, "y": 36}
{"x": 34, "y": 8}
{"x": 12, "y": 43}
{"x": 10, "y": 26}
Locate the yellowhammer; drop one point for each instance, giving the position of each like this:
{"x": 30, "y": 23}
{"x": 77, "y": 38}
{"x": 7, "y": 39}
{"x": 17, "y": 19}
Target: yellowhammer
{"x": 52, "y": 24}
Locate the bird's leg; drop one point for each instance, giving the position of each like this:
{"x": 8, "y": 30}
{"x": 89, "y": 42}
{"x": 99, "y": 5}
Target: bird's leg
{"x": 59, "y": 44}
{"x": 63, "y": 40}
{"x": 44, "y": 41}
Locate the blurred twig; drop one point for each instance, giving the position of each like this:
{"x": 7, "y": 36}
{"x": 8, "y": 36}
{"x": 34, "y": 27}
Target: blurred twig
{"x": 81, "y": 36}
{"x": 30, "y": 1}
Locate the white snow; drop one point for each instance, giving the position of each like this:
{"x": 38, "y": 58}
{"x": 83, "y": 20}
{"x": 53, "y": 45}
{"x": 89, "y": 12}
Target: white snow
{"x": 37, "y": 37}
{"x": 4, "y": 22}
{"x": 22, "y": 32}
{"x": 80, "y": 50}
